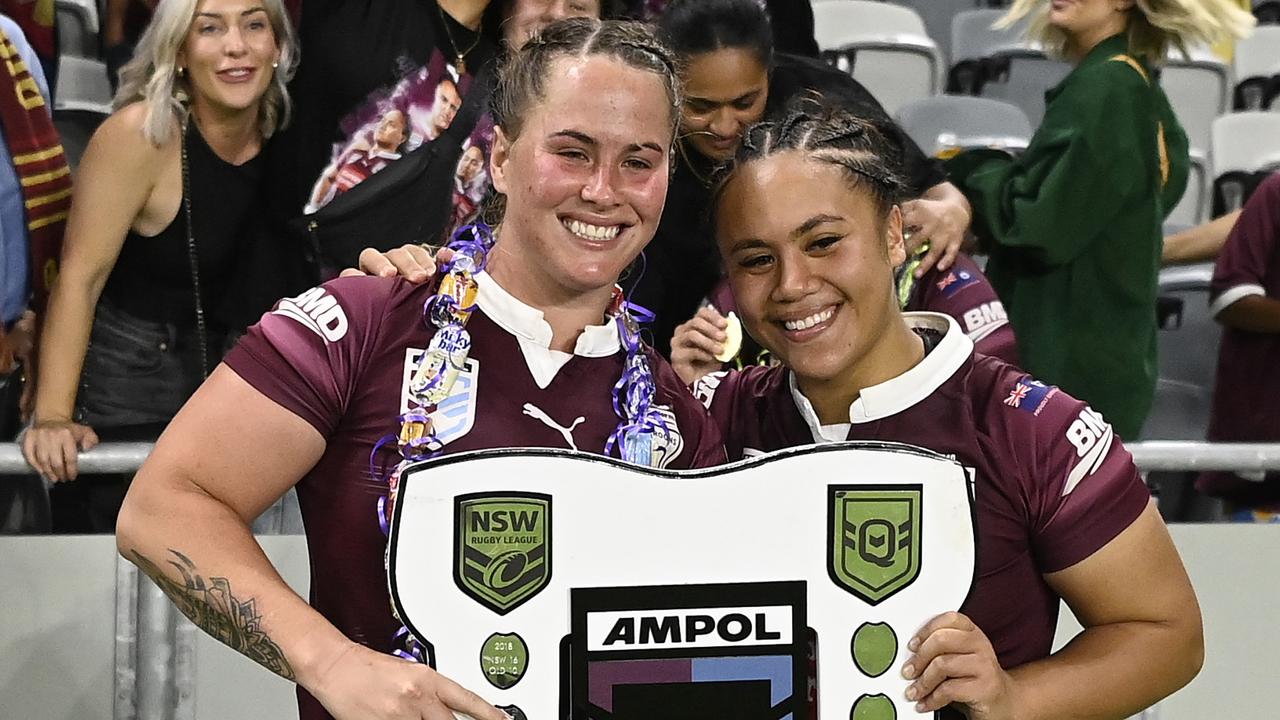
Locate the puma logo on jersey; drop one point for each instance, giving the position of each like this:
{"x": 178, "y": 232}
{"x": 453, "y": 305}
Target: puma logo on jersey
{"x": 984, "y": 320}
{"x": 317, "y": 311}
{"x": 1092, "y": 437}
{"x": 538, "y": 413}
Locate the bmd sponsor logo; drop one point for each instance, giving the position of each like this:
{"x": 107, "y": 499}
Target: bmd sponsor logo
{"x": 317, "y": 311}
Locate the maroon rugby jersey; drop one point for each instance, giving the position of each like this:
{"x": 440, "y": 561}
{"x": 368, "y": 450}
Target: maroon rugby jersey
{"x": 1246, "y": 399}
{"x": 965, "y": 294}
{"x": 1052, "y": 482}
{"x": 338, "y": 356}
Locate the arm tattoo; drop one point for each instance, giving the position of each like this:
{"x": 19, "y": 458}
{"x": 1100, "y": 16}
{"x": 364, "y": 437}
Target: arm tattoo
{"x": 210, "y": 605}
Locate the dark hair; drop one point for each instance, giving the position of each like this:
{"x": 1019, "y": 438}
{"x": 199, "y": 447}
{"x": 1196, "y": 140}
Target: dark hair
{"x": 693, "y": 27}
{"x": 867, "y": 154}
{"x": 522, "y": 78}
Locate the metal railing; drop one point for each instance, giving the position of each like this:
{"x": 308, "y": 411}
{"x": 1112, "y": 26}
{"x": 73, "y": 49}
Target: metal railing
{"x": 1152, "y": 455}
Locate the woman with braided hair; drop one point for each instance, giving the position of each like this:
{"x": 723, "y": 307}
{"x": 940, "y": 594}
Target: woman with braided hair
{"x": 808, "y": 221}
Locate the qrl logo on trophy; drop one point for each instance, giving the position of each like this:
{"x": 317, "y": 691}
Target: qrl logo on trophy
{"x": 874, "y": 539}
{"x": 502, "y": 547}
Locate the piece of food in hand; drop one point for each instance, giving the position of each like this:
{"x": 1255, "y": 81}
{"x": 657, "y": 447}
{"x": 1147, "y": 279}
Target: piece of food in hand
{"x": 733, "y": 343}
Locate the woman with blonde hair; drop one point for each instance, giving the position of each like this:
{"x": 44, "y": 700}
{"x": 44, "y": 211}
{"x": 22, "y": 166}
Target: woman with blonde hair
{"x": 165, "y": 191}
{"x": 1073, "y": 225}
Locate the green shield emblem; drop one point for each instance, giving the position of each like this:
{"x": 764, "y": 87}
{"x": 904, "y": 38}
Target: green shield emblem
{"x": 502, "y": 547}
{"x": 874, "y": 538}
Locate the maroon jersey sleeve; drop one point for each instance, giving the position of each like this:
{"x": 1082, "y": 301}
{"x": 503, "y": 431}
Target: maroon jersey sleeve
{"x": 703, "y": 446}
{"x": 965, "y": 294}
{"x": 1080, "y": 484}
{"x": 307, "y": 353}
{"x": 1250, "y": 250}
{"x": 736, "y": 400}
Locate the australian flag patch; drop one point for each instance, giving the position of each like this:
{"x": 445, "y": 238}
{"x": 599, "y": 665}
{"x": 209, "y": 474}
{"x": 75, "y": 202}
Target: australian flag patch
{"x": 955, "y": 281}
{"x": 1030, "y": 395}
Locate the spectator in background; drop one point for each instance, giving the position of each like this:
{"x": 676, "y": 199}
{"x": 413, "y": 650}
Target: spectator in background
{"x": 792, "y": 26}
{"x": 1073, "y": 224}
{"x": 35, "y": 184}
{"x": 38, "y": 20}
{"x": 733, "y": 78}
{"x": 1245, "y": 298}
{"x": 361, "y": 55}
{"x": 164, "y": 194}
{"x": 124, "y": 23}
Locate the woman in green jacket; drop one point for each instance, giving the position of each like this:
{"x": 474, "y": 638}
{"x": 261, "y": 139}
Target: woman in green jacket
{"x": 1073, "y": 225}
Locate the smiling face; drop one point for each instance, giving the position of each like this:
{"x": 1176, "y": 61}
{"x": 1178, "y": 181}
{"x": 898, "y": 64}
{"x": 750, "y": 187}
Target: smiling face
{"x": 585, "y": 180}
{"x": 526, "y": 17}
{"x": 810, "y": 262}
{"x": 228, "y": 53}
{"x": 725, "y": 93}
{"x": 1088, "y": 22}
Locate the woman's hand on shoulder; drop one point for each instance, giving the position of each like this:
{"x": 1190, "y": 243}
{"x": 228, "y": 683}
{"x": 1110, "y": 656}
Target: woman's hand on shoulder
{"x": 411, "y": 262}
{"x": 953, "y": 662}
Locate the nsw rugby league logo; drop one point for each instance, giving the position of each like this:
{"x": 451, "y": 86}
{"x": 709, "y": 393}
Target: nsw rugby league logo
{"x": 502, "y": 547}
{"x": 873, "y": 538}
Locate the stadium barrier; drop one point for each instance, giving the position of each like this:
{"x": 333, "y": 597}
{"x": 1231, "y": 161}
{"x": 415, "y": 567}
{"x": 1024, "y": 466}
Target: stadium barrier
{"x": 161, "y": 663}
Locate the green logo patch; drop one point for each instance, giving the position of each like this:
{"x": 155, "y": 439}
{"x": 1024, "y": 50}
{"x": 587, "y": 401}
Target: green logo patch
{"x": 873, "y": 707}
{"x": 504, "y": 658}
{"x": 874, "y": 539}
{"x": 875, "y": 645}
{"x": 502, "y": 547}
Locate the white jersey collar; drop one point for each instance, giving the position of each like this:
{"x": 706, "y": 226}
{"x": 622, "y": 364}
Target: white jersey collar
{"x": 899, "y": 393}
{"x": 528, "y": 322}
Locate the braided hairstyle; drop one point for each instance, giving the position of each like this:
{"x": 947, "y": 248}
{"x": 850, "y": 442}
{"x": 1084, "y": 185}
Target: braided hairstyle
{"x": 864, "y": 150}
{"x": 523, "y": 77}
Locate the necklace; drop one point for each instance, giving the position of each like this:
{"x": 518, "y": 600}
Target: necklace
{"x": 437, "y": 369}
{"x": 688, "y": 161}
{"x": 460, "y": 56}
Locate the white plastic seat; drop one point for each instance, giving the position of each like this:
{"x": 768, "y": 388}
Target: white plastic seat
{"x": 82, "y": 85}
{"x": 1029, "y": 71}
{"x": 77, "y": 23}
{"x": 937, "y": 16}
{"x": 948, "y": 122}
{"x": 1259, "y": 54}
{"x": 1245, "y": 141}
{"x": 1199, "y": 89}
{"x": 884, "y": 46}
{"x": 1193, "y": 206}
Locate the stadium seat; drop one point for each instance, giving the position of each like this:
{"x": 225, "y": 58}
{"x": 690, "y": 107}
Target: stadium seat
{"x": 947, "y": 122}
{"x": 1001, "y": 63}
{"x": 1191, "y": 209}
{"x": 82, "y": 85}
{"x": 1187, "y": 367}
{"x": 937, "y": 15}
{"x": 77, "y": 27}
{"x": 1256, "y": 64}
{"x": 1199, "y": 89}
{"x": 884, "y": 46}
{"x": 75, "y": 127}
{"x": 1188, "y": 357}
{"x": 1245, "y": 141}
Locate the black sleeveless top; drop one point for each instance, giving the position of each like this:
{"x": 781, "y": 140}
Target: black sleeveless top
{"x": 152, "y": 277}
